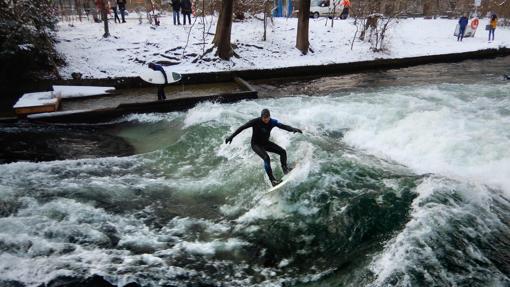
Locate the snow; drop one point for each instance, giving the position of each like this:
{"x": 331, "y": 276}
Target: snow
{"x": 60, "y": 113}
{"x": 81, "y": 91}
{"x": 132, "y": 46}
{"x": 36, "y": 99}
{"x": 51, "y": 97}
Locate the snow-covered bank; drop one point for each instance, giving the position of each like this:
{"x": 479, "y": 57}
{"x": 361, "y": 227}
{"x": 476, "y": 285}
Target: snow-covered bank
{"x": 132, "y": 45}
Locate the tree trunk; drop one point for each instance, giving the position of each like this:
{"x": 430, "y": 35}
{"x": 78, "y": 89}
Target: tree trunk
{"x": 104, "y": 15}
{"x": 334, "y": 12}
{"x": 223, "y": 30}
{"x": 302, "y": 43}
{"x": 266, "y": 12}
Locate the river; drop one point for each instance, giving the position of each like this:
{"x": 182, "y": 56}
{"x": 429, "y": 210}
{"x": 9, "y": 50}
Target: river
{"x": 402, "y": 179}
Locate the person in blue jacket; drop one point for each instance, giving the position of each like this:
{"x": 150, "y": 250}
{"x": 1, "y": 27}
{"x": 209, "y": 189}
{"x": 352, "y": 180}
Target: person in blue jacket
{"x": 261, "y": 144}
{"x": 161, "y": 88}
{"x": 463, "y": 21}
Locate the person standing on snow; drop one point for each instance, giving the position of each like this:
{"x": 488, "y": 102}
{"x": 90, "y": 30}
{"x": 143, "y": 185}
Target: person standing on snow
{"x": 463, "y": 21}
{"x": 261, "y": 144}
{"x": 345, "y": 11}
{"x": 122, "y": 8}
{"x": 176, "y": 7}
{"x": 492, "y": 26}
{"x": 113, "y": 6}
{"x": 186, "y": 10}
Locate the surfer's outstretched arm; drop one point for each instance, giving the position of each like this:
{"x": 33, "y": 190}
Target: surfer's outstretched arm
{"x": 289, "y": 128}
{"x": 249, "y": 124}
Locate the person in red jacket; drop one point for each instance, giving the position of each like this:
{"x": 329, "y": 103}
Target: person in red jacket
{"x": 345, "y": 11}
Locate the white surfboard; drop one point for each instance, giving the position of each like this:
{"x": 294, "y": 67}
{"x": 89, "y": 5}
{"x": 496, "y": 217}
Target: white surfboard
{"x": 285, "y": 179}
{"x": 157, "y": 78}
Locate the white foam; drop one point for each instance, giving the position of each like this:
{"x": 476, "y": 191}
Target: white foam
{"x": 416, "y": 246}
{"x": 210, "y": 248}
{"x": 150, "y": 117}
{"x": 273, "y": 205}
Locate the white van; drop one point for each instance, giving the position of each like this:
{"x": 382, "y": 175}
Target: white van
{"x": 319, "y": 8}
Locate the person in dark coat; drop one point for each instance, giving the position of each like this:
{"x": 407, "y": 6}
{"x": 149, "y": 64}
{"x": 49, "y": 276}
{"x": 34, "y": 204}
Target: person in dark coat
{"x": 113, "y": 6}
{"x": 176, "y": 7}
{"x": 463, "y": 21}
{"x": 122, "y": 8}
{"x": 161, "y": 88}
{"x": 186, "y": 10}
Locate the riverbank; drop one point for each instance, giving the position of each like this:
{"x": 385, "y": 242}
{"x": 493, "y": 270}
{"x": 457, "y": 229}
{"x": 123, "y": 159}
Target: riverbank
{"x": 118, "y": 60}
{"x": 131, "y": 46}
{"x": 196, "y": 80}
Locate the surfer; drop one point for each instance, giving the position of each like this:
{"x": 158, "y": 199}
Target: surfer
{"x": 261, "y": 144}
{"x": 161, "y": 88}
{"x": 507, "y": 77}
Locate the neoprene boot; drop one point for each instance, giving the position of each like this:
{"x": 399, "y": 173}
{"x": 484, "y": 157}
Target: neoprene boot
{"x": 274, "y": 181}
{"x": 286, "y": 169}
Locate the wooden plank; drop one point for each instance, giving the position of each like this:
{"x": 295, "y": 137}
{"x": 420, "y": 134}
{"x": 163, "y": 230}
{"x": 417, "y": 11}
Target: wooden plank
{"x": 24, "y": 111}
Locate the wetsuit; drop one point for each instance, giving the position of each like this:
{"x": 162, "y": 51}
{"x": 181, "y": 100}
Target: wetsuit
{"x": 261, "y": 144}
{"x": 161, "y": 88}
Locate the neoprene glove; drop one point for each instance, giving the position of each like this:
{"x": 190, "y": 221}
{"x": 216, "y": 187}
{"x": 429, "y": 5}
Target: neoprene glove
{"x": 297, "y": 131}
{"x": 228, "y": 140}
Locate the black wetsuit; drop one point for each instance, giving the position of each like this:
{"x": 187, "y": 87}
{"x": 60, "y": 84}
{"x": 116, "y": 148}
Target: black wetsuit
{"x": 161, "y": 88}
{"x": 261, "y": 144}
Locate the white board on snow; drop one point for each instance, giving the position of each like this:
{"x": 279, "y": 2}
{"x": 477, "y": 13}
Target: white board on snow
{"x": 36, "y": 100}
{"x": 81, "y": 91}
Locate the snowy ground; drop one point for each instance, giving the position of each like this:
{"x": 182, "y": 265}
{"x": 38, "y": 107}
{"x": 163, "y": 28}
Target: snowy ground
{"x": 133, "y": 45}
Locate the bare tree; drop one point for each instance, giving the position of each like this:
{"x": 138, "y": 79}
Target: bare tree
{"x": 373, "y": 26}
{"x": 336, "y": 3}
{"x": 223, "y": 31}
{"x": 302, "y": 43}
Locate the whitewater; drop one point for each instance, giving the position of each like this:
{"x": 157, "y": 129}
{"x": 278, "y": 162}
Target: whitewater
{"x": 398, "y": 185}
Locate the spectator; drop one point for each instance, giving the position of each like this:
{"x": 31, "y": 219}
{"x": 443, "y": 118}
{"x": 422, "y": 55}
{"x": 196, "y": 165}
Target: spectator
{"x": 97, "y": 8}
{"x": 122, "y": 8}
{"x": 492, "y": 26}
{"x": 113, "y": 6}
{"x": 345, "y": 11}
{"x": 186, "y": 10}
{"x": 463, "y": 21}
{"x": 176, "y": 7}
